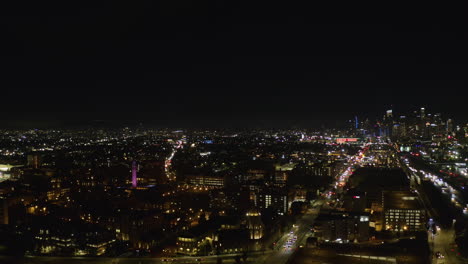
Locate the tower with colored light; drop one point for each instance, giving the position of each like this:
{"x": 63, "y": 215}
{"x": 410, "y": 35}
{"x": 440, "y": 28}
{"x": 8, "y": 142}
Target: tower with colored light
{"x": 134, "y": 174}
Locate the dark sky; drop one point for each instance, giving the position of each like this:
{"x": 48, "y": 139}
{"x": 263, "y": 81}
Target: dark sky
{"x": 217, "y": 63}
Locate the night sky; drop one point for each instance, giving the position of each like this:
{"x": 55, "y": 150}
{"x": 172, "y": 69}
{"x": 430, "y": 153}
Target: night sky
{"x": 217, "y": 63}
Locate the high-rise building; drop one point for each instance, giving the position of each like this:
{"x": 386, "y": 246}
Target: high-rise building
{"x": 389, "y": 113}
{"x": 403, "y": 126}
{"x": 449, "y": 125}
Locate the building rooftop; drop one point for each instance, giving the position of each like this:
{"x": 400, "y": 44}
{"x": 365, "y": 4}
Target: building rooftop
{"x": 338, "y": 215}
{"x": 401, "y": 200}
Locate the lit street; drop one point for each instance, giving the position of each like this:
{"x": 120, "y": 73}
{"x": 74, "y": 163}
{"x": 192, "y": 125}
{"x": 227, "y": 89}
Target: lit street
{"x": 443, "y": 242}
{"x": 74, "y": 260}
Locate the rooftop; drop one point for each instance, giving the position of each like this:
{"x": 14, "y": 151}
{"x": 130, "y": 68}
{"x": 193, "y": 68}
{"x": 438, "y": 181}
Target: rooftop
{"x": 401, "y": 200}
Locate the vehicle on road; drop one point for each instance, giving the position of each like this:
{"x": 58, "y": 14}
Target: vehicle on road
{"x": 439, "y": 255}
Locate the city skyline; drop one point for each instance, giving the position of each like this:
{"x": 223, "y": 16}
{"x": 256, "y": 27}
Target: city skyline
{"x": 227, "y": 132}
{"x": 280, "y": 121}
{"x": 373, "y": 189}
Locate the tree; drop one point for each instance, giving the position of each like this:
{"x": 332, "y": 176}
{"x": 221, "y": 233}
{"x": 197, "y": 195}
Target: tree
{"x": 244, "y": 256}
{"x": 462, "y": 243}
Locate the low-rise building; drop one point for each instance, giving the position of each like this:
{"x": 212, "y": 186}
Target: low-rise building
{"x": 342, "y": 227}
{"x": 402, "y": 211}
{"x": 206, "y": 181}
{"x": 275, "y": 198}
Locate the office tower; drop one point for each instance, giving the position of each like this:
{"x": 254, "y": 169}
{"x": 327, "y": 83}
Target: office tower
{"x": 449, "y": 125}
{"x": 389, "y": 113}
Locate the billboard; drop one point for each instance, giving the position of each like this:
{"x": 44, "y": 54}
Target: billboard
{"x": 346, "y": 140}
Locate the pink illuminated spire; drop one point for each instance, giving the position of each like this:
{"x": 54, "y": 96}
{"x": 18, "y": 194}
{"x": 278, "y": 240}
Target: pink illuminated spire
{"x": 134, "y": 174}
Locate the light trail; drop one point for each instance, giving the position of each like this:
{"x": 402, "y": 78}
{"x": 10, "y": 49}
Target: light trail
{"x": 167, "y": 164}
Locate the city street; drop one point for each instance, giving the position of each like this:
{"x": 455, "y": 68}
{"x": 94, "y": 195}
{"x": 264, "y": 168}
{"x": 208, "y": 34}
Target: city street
{"x": 81, "y": 260}
{"x": 298, "y": 234}
{"x": 443, "y": 242}
{"x": 302, "y": 230}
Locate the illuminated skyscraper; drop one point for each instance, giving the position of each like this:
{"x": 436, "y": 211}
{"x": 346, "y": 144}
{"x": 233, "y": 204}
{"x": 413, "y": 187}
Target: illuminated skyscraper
{"x": 389, "y": 113}
{"x": 449, "y": 126}
{"x": 134, "y": 174}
